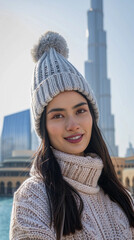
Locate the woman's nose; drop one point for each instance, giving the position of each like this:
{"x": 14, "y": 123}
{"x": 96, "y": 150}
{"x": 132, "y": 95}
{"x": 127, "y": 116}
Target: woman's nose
{"x": 72, "y": 124}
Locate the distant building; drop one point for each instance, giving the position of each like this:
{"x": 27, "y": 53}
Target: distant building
{"x": 18, "y": 145}
{"x": 35, "y": 141}
{"x": 124, "y": 168}
{"x": 0, "y": 149}
{"x": 130, "y": 151}
{"x": 96, "y": 72}
{"x": 14, "y": 171}
{"x": 128, "y": 174}
{"x": 16, "y": 133}
{"x": 119, "y": 165}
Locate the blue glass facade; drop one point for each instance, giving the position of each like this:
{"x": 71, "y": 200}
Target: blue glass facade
{"x": 16, "y": 133}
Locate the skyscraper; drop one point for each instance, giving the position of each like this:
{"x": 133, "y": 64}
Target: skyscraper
{"x": 0, "y": 149}
{"x": 96, "y": 72}
{"x": 130, "y": 150}
{"x": 16, "y": 133}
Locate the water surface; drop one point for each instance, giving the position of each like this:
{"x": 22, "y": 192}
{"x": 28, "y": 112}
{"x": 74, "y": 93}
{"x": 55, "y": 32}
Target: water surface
{"x": 5, "y": 213}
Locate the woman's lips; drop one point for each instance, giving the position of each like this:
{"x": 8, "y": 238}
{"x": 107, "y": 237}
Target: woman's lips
{"x": 74, "y": 138}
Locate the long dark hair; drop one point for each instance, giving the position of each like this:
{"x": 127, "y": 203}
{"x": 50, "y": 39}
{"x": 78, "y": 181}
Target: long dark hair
{"x": 65, "y": 202}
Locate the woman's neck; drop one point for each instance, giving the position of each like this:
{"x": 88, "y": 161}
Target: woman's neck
{"x": 82, "y": 172}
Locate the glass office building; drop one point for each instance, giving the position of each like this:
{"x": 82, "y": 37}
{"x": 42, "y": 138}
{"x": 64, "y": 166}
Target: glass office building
{"x": 16, "y": 133}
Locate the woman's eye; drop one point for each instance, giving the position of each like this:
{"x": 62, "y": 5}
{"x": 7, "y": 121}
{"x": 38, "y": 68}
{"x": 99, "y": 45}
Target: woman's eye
{"x": 81, "y": 111}
{"x": 57, "y": 116}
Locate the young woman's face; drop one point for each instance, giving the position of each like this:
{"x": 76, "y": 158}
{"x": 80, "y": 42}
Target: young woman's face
{"x": 69, "y": 123}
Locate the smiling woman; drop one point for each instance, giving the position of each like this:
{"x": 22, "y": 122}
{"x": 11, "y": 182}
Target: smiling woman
{"x": 73, "y": 192}
{"x": 69, "y": 123}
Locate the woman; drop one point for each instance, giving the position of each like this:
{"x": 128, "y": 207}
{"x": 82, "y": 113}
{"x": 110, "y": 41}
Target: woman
{"x": 73, "y": 191}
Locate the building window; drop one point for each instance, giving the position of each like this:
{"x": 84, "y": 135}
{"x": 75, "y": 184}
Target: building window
{"x": 17, "y": 185}
{"x": 9, "y": 188}
{"x": 2, "y": 188}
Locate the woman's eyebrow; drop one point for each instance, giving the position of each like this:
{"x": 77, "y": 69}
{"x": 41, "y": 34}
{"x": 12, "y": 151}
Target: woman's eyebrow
{"x": 63, "y": 109}
{"x": 79, "y": 104}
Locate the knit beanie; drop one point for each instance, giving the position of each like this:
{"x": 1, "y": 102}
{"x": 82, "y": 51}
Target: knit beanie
{"x": 54, "y": 74}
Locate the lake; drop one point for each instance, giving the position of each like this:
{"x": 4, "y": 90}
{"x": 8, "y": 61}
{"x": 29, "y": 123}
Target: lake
{"x": 5, "y": 213}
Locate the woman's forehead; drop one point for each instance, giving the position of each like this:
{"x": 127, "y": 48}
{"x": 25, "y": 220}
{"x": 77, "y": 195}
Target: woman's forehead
{"x": 66, "y": 98}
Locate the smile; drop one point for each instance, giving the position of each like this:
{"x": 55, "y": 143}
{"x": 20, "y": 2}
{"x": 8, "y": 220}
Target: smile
{"x": 74, "y": 139}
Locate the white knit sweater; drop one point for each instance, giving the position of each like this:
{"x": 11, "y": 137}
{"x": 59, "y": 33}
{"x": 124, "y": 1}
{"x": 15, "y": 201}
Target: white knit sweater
{"x": 101, "y": 217}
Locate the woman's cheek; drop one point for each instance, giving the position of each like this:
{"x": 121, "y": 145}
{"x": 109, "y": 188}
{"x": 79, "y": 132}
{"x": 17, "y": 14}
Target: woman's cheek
{"x": 54, "y": 128}
{"x": 87, "y": 118}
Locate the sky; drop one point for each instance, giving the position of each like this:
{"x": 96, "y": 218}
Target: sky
{"x": 23, "y": 21}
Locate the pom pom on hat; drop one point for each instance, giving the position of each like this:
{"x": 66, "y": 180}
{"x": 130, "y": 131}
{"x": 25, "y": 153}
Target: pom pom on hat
{"x": 47, "y": 41}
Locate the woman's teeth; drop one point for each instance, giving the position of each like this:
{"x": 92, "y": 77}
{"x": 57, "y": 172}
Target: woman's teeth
{"x": 73, "y": 138}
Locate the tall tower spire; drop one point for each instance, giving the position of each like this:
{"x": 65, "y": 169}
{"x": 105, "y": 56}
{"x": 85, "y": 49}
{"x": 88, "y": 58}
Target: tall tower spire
{"x": 96, "y": 72}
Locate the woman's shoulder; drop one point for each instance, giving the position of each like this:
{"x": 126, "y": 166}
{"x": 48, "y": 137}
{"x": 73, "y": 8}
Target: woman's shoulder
{"x": 33, "y": 187}
{"x": 30, "y": 218}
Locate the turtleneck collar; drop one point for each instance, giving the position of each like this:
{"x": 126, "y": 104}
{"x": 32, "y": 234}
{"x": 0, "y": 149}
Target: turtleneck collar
{"x": 82, "y": 172}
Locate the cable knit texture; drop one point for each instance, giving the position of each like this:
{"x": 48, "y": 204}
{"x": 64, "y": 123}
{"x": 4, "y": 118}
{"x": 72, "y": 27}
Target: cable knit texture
{"x": 101, "y": 217}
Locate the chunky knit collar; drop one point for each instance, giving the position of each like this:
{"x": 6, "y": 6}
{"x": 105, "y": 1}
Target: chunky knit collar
{"x": 82, "y": 172}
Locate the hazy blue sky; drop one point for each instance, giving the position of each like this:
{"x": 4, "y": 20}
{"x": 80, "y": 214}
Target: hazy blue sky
{"x": 23, "y": 21}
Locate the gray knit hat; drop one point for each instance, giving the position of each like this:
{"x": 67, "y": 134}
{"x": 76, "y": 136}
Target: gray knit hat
{"x": 54, "y": 74}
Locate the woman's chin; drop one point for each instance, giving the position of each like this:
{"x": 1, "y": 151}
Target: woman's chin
{"x": 74, "y": 152}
